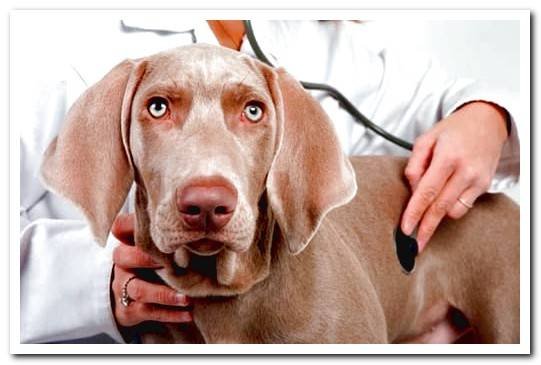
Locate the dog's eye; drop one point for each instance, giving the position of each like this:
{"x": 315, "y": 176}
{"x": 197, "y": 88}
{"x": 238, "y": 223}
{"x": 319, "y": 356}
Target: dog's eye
{"x": 253, "y": 112}
{"x": 157, "y": 107}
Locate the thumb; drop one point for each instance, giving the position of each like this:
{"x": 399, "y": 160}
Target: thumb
{"x": 123, "y": 227}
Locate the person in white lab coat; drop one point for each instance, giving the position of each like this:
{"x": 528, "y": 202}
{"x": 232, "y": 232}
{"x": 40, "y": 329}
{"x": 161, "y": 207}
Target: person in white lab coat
{"x": 69, "y": 288}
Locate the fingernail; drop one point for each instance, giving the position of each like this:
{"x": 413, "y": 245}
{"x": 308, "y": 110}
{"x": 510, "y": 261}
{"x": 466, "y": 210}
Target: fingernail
{"x": 407, "y": 228}
{"x": 181, "y": 299}
{"x": 421, "y": 243}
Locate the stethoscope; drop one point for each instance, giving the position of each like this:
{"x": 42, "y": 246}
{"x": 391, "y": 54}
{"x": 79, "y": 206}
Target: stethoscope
{"x": 335, "y": 94}
{"x": 406, "y": 246}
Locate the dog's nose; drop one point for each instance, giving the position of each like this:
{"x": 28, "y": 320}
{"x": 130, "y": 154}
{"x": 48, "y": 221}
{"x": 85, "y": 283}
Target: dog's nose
{"x": 207, "y": 205}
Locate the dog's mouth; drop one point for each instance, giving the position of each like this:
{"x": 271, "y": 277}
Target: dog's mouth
{"x": 206, "y": 256}
{"x": 205, "y": 247}
{"x": 203, "y": 265}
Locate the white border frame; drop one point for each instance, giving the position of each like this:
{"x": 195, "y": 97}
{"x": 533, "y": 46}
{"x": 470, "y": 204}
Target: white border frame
{"x": 524, "y": 134}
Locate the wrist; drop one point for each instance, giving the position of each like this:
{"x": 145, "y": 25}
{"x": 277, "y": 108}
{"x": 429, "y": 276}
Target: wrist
{"x": 492, "y": 114}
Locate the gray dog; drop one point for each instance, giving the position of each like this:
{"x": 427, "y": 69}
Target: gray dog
{"x": 246, "y": 199}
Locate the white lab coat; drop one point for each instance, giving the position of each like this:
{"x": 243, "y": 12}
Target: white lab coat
{"x": 65, "y": 276}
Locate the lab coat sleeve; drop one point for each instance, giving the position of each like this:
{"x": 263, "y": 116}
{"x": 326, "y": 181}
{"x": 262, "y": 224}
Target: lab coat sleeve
{"x": 65, "y": 283}
{"x": 65, "y": 276}
{"x": 427, "y": 94}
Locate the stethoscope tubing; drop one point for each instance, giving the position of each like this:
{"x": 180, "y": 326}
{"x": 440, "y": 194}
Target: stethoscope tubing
{"x": 334, "y": 93}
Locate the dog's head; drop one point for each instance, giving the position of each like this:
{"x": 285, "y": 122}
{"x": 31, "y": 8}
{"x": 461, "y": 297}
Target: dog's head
{"x": 219, "y": 145}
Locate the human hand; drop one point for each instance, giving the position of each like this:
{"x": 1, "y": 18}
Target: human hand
{"x": 150, "y": 302}
{"x": 451, "y": 165}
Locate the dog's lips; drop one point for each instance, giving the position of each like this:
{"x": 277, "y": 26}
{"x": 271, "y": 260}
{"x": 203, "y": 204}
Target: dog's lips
{"x": 205, "y": 247}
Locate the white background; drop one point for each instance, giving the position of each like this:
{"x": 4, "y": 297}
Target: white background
{"x": 4, "y": 155}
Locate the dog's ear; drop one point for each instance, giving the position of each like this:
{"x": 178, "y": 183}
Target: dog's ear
{"x": 88, "y": 162}
{"x": 310, "y": 175}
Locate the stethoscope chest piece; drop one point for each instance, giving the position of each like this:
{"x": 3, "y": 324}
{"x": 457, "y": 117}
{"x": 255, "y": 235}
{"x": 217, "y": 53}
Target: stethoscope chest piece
{"x": 406, "y": 250}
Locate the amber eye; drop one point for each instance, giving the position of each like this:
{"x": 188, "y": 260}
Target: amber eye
{"x": 253, "y": 112}
{"x": 157, "y": 107}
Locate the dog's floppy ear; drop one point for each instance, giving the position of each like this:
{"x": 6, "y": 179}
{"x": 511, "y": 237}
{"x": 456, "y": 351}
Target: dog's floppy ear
{"x": 88, "y": 162}
{"x": 310, "y": 175}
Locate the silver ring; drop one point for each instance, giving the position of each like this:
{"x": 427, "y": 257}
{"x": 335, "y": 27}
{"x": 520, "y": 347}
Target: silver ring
{"x": 125, "y": 299}
{"x": 465, "y": 203}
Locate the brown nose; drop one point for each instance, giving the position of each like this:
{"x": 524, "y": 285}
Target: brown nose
{"x": 207, "y": 205}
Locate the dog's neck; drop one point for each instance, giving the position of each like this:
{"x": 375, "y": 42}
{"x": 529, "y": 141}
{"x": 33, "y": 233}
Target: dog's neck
{"x": 246, "y": 269}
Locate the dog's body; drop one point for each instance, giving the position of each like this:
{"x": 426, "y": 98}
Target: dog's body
{"x": 290, "y": 251}
{"x": 348, "y": 286}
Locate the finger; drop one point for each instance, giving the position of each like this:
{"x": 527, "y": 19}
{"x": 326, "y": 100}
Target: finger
{"x": 149, "y": 312}
{"x": 428, "y": 189}
{"x": 137, "y": 312}
{"x": 123, "y": 227}
{"x": 454, "y": 187}
{"x": 132, "y": 257}
{"x": 145, "y": 292}
{"x": 419, "y": 160}
{"x": 458, "y": 209}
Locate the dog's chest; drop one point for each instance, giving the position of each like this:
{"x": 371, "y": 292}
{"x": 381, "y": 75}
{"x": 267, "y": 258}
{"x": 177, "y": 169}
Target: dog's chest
{"x": 240, "y": 319}
{"x": 218, "y": 319}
